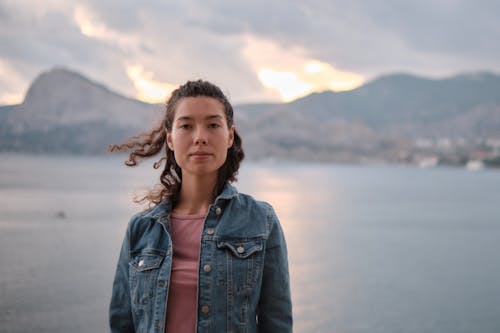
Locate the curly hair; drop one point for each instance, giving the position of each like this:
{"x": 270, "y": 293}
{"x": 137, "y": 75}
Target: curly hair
{"x": 150, "y": 143}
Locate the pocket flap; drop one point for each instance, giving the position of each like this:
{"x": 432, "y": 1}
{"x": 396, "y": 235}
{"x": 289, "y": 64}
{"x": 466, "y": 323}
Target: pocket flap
{"x": 241, "y": 248}
{"x": 144, "y": 262}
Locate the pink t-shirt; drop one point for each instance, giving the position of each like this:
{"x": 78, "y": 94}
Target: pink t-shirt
{"x": 185, "y": 231}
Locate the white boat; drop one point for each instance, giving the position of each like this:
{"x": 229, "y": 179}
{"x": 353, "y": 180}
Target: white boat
{"x": 474, "y": 165}
{"x": 428, "y": 162}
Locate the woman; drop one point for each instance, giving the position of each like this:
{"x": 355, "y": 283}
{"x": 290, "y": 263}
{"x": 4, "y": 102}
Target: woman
{"x": 204, "y": 258}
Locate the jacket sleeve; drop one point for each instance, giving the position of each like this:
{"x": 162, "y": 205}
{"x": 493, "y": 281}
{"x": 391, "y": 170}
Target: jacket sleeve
{"x": 274, "y": 314}
{"x": 120, "y": 312}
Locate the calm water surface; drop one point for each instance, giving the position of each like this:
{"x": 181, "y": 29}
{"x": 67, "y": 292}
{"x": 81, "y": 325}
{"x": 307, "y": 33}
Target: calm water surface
{"x": 372, "y": 249}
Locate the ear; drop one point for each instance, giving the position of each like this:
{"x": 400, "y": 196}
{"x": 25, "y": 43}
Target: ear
{"x": 169, "y": 141}
{"x": 231, "y": 137}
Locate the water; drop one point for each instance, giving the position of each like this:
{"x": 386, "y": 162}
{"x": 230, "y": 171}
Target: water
{"x": 372, "y": 249}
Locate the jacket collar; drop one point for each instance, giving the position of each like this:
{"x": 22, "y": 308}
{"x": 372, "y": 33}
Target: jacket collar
{"x": 227, "y": 193}
{"x": 162, "y": 211}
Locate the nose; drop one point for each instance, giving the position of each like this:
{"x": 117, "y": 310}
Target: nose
{"x": 200, "y": 137}
{"x": 201, "y": 141}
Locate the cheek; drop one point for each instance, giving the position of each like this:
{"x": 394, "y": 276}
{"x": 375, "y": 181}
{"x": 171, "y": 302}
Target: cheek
{"x": 222, "y": 142}
{"x": 223, "y": 149}
{"x": 178, "y": 139}
{"x": 178, "y": 158}
{"x": 178, "y": 148}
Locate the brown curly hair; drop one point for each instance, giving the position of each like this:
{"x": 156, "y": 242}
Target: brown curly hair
{"x": 152, "y": 142}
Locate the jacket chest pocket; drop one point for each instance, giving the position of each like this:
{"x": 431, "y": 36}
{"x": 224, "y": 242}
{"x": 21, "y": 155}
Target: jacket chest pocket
{"x": 241, "y": 264}
{"x": 143, "y": 273}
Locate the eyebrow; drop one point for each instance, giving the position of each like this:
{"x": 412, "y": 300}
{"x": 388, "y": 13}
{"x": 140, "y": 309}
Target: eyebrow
{"x": 215, "y": 116}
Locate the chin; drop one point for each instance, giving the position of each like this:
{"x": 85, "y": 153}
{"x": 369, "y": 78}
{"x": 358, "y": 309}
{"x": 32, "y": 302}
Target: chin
{"x": 202, "y": 171}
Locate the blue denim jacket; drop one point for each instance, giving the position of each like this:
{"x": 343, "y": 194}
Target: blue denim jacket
{"x": 243, "y": 283}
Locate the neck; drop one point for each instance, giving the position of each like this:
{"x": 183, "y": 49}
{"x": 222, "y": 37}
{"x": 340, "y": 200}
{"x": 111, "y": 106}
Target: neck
{"x": 196, "y": 195}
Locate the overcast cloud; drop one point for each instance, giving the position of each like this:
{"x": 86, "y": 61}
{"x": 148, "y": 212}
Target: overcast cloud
{"x": 230, "y": 42}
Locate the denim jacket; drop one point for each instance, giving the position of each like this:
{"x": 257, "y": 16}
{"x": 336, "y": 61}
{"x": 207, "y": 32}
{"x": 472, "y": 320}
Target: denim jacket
{"x": 243, "y": 281}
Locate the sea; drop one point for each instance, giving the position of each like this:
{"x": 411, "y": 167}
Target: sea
{"x": 372, "y": 249}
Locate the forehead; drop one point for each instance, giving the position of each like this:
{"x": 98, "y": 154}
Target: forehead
{"x": 199, "y": 107}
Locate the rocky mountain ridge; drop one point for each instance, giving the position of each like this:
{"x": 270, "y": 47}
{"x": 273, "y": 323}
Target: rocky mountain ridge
{"x": 398, "y": 118}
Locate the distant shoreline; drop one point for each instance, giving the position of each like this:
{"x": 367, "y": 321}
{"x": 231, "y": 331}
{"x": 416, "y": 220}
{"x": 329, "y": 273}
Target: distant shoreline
{"x": 473, "y": 165}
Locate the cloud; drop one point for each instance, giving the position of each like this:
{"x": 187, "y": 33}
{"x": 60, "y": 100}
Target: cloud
{"x": 42, "y": 37}
{"x": 148, "y": 89}
{"x": 185, "y": 40}
{"x": 291, "y": 72}
{"x": 373, "y": 37}
{"x": 10, "y": 91}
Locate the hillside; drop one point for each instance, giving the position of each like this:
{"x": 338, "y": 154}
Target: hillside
{"x": 394, "y": 118}
{"x": 66, "y": 112}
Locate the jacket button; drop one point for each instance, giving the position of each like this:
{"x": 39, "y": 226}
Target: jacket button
{"x": 207, "y": 268}
{"x": 210, "y": 231}
{"x": 218, "y": 211}
{"x": 161, "y": 283}
{"x": 205, "y": 309}
{"x": 240, "y": 249}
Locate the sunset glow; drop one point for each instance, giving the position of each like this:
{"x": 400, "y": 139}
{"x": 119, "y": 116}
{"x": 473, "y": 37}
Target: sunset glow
{"x": 148, "y": 89}
{"x": 324, "y": 76}
{"x": 91, "y": 27}
{"x": 312, "y": 77}
{"x": 286, "y": 83}
{"x": 87, "y": 24}
{"x": 10, "y": 99}
{"x": 291, "y": 73}
{"x": 12, "y": 94}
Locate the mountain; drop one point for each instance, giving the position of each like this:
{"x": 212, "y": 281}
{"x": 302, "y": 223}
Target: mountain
{"x": 397, "y": 117}
{"x": 409, "y": 105}
{"x": 393, "y": 118}
{"x": 66, "y": 112}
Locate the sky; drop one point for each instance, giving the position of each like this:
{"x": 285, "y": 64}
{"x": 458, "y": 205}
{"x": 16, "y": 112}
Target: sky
{"x": 255, "y": 50}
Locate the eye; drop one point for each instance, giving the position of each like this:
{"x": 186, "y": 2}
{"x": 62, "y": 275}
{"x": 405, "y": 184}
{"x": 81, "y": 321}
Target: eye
{"x": 213, "y": 125}
{"x": 184, "y": 126}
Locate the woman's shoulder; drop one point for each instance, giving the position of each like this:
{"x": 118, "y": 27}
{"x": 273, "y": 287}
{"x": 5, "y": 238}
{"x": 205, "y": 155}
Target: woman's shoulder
{"x": 246, "y": 217}
{"x": 156, "y": 213}
{"x": 248, "y": 201}
{"x": 247, "y": 206}
{"x": 243, "y": 201}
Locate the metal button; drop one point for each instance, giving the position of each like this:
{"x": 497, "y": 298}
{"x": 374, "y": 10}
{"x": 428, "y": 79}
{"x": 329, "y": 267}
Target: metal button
{"x": 205, "y": 309}
{"x": 161, "y": 283}
{"x": 207, "y": 268}
{"x": 240, "y": 249}
{"x": 141, "y": 262}
{"x": 218, "y": 211}
{"x": 210, "y": 231}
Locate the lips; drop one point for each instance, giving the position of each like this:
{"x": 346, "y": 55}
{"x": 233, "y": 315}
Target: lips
{"x": 200, "y": 154}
